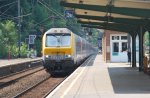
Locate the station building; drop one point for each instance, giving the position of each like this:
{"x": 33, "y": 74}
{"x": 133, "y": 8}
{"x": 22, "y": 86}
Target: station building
{"x": 115, "y": 46}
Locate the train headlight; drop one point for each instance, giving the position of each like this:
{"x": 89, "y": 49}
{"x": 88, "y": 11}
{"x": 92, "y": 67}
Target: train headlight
{"x": 46, "y": 56}
{"x": 68, "y": 56}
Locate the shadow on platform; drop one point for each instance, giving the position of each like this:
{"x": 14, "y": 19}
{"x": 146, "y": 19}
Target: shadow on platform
{"x": 127, "y": 80}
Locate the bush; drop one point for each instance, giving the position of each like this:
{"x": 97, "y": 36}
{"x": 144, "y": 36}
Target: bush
{"x": 8, "y": 38}
{"x": 14, "y": 51}
{"x": 23, "y": 50}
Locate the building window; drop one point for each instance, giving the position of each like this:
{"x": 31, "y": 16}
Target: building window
{"x": 123, "y": 37}
{"x": 124, "y": 46}
{"x": 115, "y": 37}
{"x": 115, "y": 48}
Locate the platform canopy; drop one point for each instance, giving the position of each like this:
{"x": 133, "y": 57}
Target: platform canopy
{"x": 118, "y": 15}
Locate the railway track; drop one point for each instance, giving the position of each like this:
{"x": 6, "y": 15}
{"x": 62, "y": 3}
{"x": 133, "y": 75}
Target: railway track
{"x": 22, "y": 83}
{"x": 7, "y": 76}
{"x": 39, "y": 81}
{"x": 43, "y": 88}
{"x": 7, "y": 80}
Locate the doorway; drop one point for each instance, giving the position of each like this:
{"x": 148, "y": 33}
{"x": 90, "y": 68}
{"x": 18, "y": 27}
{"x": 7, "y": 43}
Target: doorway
{"x": 119, "y": 46}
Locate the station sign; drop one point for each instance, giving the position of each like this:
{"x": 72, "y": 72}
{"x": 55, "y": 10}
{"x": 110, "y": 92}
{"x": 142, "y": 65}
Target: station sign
{"x": 31, "y": 39}
{"x": 69, "y": 13}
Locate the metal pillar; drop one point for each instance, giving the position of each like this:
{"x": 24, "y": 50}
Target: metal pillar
{"x": 141, "y": 50}
{"x": 19, "y": 25}
{"x": 133, "y": 50}
{"x": 129, "y": 42}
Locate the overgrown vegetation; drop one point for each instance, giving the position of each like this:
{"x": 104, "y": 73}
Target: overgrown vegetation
{"x": 8, "y": 40}
{"x": 8, "y": 37}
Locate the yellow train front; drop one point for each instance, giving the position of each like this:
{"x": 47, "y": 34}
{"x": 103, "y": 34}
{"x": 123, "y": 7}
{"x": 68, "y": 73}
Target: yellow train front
{"x": 63, "y": 50}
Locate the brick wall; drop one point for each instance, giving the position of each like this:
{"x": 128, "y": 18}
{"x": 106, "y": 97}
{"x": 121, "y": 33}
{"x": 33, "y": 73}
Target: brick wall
{"x": 106, "y": 44}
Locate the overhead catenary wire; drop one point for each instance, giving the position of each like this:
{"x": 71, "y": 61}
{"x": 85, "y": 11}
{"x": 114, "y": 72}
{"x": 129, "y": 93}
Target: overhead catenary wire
{"x": 12, "y": 17}
{"x": 7, "y": 15}
{"x": 8, "y": 4}
{"x": 3, "y": 15}
{"x": 7, "y": 9}
{"x": 42, "y": 21}
{"x": 52, "y": 10}
{"x": 55, "y": 12}
{"x": 23, "y": 15}
{"x": 47, "y": 17}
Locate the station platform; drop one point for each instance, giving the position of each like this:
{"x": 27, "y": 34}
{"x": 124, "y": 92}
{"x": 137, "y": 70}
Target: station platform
{"x": 98, "y": 79}
{"x": 11, "y": 66}
{"x": 6, "y": 62}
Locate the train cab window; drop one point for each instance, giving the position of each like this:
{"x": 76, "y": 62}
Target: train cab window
{"x": 57, "y": 40}
{"x": 65, "y": 40}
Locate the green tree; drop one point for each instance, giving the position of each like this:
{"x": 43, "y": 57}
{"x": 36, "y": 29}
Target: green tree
{"x": 8, "y": 36}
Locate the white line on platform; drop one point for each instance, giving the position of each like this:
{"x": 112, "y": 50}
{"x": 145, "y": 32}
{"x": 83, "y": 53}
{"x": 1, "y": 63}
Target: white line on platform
{"x": 70, "y": 86}
{"x": 56, "y": 89}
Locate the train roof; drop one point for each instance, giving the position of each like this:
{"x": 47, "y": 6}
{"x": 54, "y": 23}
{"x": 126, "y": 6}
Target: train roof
{"x": 58, "y": 30}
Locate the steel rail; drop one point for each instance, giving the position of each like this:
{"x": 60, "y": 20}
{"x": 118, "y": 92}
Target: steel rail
{"x": 30, "y": 88}
{"x": 12, "y": 81}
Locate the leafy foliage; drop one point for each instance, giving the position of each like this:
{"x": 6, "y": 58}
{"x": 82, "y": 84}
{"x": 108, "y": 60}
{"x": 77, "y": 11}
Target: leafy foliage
{"x": 8, "y": 37}
{"x": 8, "y": 40}
{"x": 14, "y": 51}
{"x": 8, "y": 33}
{"x": 23, "y": 50}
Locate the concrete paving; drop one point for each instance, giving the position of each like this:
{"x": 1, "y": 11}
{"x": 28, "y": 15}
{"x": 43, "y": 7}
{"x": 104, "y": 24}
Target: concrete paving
{"x": 104, "y": 80}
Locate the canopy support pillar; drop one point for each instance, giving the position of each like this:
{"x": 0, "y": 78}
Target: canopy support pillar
{"x": 141, "y": 55}
{"x": 133, "y": 50}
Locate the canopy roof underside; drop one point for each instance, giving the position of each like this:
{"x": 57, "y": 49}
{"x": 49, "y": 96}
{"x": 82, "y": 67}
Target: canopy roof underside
{"x": 119, "y": 15}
